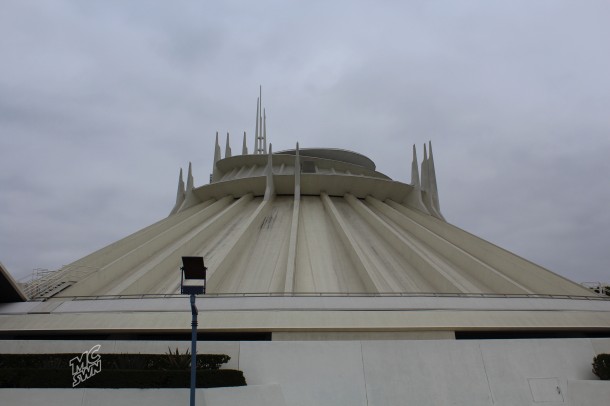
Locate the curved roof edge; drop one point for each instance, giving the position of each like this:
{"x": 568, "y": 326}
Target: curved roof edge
{"x": 336, "y": 154}
{"x": 9, "y": 289}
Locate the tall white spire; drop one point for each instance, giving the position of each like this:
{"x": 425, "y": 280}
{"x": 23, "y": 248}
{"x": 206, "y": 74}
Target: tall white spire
{"x": 259, "y": 123}
{"x": 217, "y": 155}
{"x": 424, "y": 171}
{"x": 190, "y": 182}
{"x": 179, "y": 195}
{"x": 190, "y": 199}
{"x": 244, "y": 148}
{"x": 428, "y": 184}
{"x": 415, "y": 170}
{"x": 260, "y": 130}
{"x": 414, "y": 198}
{"x": 264, "y": 131}
{"x": 228, "y": 148}
{"x": 433, "y": 187}
{"x": 256, "y": 135}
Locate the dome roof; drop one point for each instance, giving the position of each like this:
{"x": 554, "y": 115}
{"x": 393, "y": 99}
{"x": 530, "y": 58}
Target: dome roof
{"x": 334, "y": 154}
{"x": 308, "y": 240}
{"x": 311, "y": 221}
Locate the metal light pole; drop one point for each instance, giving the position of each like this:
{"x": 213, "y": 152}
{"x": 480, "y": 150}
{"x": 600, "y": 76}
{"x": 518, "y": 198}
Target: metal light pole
{"x": 193, "y": 349}
{"x": 192, "y": 282}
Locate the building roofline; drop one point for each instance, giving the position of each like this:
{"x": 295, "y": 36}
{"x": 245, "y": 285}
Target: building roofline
{"x": 9, "y": 288}
{"x": 335, "y": 154}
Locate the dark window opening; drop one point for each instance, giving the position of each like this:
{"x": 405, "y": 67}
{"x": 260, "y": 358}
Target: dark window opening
{"x": 308, "y": 167}
{"x": 201, "y": 336}
{"x": 510, "y": 335}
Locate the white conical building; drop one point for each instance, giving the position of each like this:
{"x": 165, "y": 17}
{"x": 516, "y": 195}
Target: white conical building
{"x": 339, "y": 267}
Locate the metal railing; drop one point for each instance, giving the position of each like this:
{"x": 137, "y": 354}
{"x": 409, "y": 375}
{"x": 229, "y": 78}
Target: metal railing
{"x": 341, "y": 294}
{"x": 44, "y": 283}
{"x": 598, "y": 287}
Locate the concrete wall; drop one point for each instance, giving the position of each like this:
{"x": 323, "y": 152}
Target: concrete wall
{"x": 493, "y": 372}
{"x": 586, "y": 393}
{"x": 268, "y": 395}
{"x": 398, "y": 372}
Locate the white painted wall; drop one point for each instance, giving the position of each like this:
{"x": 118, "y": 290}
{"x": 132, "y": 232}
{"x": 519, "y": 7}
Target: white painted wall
{"x": 268, "y": 395}
{"x": 380, "y": 373}
{"x": 423, "y": 372}
{"x": 587, "y": 393}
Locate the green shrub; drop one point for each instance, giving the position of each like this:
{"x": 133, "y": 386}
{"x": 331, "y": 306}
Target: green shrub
{"x": 126, "y": 361}
{"x": 62, "y": 378}
{"x": 601, "y": 366}
{"x": 173, "y": 361}
{"x": 35, "y": 361}
{"x": 116, "y": 361}
{"x": 170, "y": 370}
{"x": 211, "y": 361}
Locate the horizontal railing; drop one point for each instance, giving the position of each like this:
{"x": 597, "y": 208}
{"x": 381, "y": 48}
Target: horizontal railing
{"x": 44, "y": 282}
{"x": 340, "y": 294}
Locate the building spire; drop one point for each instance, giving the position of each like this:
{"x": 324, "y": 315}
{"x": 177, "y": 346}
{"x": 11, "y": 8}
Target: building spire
{"x": 190, "y": 182}
{"x": 259, "y": 123}
{"x": 414, "y": 198}
{"x": 228, "y": 148}
{"x": 217, "y": 155}
{"x": 424, "y": 171}
{"x": 179, "y": 195}
{"x": 244, "y": 148}
{"x": 264, "y": 131}
{"x": 428, "y": 184}
{"x": 433, "y": 187}
{"x": 258, "y": 106}
{"x": 190, "y": 199}
{"x": 415, "y": 170}
{"x": 260, "y": 130}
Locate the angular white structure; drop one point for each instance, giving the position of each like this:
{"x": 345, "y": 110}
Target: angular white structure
{"x": 314, "y": 244}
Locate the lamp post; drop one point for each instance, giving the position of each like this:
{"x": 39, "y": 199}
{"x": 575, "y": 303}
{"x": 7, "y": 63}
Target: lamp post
{"x": 192, "y": 282}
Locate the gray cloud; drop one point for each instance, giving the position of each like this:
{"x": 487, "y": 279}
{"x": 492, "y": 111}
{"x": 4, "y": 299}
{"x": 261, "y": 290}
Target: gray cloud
{"x": 101, "y": 104}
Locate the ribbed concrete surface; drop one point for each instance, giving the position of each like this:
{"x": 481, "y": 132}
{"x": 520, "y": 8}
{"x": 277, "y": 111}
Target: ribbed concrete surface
{"x": 343, "y": 244}
{"x": 324, "y": 222}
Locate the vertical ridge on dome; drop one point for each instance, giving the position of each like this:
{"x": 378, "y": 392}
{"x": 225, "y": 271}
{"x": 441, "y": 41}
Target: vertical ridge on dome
{"x": 179, "y": 194}
{"x": 294, "y": 225}
{"x": 356, "y": 254}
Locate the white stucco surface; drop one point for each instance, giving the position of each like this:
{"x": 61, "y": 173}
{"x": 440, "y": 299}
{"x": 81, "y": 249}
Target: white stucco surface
{"x": 477, "y": 372}
{"x": 429, "y": 373}
{"x": 526, "y": 372}
{"x": 329, "y": 313}
{"x": 312, "y": 373}
{"x": 588, "y": 393}
{"x": 262, "y": 395}
{"x": 511, "y": 367}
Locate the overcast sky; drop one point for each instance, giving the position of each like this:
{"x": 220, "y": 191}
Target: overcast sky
{"x": 101, "y": 104}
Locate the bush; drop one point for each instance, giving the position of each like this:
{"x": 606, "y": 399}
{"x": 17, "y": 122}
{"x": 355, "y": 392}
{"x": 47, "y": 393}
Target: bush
{"x": 62, "y": 378}
{"x": 211, "y": 361}
{"x": 601, "y": 366}
{"x": 176, "y": 360}
{"x": 170, "y": 370}
{"x": 116, "y": 361}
